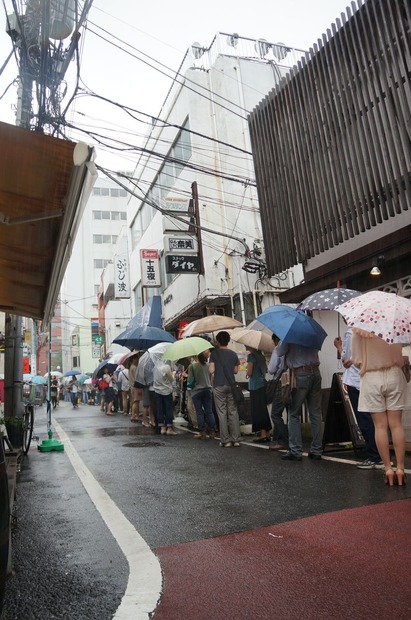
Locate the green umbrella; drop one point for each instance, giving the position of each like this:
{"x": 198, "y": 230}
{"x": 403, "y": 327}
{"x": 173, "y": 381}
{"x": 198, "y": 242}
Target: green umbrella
{"x": 188, "y": 347}
{"x": 82, "y": 378}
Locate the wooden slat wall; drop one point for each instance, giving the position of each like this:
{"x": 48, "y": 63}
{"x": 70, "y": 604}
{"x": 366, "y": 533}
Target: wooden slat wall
{"x": 331, "y": 144}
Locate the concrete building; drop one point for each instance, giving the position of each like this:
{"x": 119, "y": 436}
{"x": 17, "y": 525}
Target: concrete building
{"x": 103, "y": 225}
{"x": 196, "y": 187}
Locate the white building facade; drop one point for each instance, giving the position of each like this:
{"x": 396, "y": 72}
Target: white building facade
{"x": 200, "y": 169}
{"x": 102, "y": 231}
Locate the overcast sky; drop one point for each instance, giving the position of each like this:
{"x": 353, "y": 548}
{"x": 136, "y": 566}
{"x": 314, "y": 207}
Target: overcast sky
{"x": 164, "y": 30}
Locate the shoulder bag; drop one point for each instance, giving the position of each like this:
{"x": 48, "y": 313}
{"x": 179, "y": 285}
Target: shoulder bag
{"x": 270, "y": 390}
{"x": 235, "y": 388}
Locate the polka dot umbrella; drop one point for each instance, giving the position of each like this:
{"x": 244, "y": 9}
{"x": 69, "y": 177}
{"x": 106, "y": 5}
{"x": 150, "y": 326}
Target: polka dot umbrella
{"x": 328, "y": 299}
{"x": 385, "y": 315}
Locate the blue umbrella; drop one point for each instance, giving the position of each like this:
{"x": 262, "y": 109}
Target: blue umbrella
{"x": 293, "y": 326}
{"x": 143, "y": 337}
{"x": 72, "y": 373}
{"x": 99, "y": 370}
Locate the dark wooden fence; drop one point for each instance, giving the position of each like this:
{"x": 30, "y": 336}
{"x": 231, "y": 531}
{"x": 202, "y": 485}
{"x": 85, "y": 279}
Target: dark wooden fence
{"x": 331, "y": 144}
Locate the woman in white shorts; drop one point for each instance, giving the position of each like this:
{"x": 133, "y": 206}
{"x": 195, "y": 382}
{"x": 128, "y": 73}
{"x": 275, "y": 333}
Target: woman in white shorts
{"x": 382, "y": 393}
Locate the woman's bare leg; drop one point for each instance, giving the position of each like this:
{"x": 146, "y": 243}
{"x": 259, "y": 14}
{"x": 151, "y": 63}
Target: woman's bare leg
{"x": 398, "y": 436}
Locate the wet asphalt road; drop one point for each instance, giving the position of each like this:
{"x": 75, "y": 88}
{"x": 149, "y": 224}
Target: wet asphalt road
{"x": 173, "y": 490}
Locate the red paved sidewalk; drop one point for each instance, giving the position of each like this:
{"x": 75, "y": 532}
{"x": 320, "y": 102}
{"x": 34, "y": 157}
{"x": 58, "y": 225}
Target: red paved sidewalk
{"x": 350, "y": 564}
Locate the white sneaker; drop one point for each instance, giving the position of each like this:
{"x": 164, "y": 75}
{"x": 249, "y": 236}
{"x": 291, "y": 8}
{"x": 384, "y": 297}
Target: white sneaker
{"x": 225, "y": 445}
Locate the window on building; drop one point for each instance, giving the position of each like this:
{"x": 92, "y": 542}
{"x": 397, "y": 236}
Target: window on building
{"x": 115, "y": 215}
{"x": 123, "y": 215}
{"x": 181, "y": 150}
{"x": 114, "y": 192}
{"x": 99, "y": 239}
{"x": 76, "y": 361}
{"x": 136, "y": 231}
{"x": 138, "y": 301}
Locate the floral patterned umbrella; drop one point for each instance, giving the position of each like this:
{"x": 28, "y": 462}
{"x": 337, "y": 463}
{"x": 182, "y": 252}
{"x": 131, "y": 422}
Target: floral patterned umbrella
{"x": 385, "y": 315}
{"x": 328, "y": 299}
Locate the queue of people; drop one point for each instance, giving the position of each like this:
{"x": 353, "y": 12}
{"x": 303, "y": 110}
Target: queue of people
{"x": 373, "y": 378}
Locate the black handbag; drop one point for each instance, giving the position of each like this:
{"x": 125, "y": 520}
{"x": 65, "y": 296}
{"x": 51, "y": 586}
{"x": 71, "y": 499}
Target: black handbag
{"x": 270, "y": 390}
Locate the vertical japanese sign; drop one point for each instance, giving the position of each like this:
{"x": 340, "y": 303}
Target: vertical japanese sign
{"x": 150, "y": 268}
{"x": 121, "y": 277}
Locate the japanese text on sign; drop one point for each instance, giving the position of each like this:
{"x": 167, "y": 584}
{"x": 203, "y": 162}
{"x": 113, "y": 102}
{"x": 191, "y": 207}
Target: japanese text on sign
{"x": 150, "y": 268}
{"x": 181, "y": 243}
{"x": 182, "y": 264}
{"x": 121, "y": 277}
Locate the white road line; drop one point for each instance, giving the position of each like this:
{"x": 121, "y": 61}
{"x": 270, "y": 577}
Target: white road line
{"x": 145, "y": 579}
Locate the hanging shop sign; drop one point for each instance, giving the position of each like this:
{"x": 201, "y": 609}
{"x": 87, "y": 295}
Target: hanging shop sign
{"x": 95, "y": 351}
{"x": 121, "y": 277}
{"x": 176, "y": 263}
{"x": 180, "y": 243}
{"x": 150, "y": 268}
{"x": 176, "y": 204}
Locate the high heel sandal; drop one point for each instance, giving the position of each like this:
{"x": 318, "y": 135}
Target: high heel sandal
{"x": 401, "y": 477}
{"x": 390, "y": 477}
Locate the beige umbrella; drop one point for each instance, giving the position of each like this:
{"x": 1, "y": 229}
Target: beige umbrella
{"x": 209, "y": 324}
{"x": 252, "y": 338}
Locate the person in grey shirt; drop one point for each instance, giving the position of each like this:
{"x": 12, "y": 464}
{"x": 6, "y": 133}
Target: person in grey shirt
{"x": 199, "y": 381}
{"x": 227, "y": 412}
{"x": 304, "y": 365}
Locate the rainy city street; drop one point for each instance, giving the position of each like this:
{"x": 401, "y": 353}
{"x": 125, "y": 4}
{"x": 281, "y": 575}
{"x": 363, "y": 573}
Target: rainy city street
{"x": 126, "y": 523}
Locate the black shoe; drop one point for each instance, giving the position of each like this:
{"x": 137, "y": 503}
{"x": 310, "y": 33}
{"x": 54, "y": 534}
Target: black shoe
{"x": 289, "y": 456}
{"x": 315, "y": 457}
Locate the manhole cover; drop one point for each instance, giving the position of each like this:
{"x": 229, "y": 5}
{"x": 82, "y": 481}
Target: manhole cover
{"x": 143, "y": 444}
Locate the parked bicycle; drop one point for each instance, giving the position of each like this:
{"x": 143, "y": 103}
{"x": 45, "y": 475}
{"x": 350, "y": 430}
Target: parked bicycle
{"x": 28, "y": 425}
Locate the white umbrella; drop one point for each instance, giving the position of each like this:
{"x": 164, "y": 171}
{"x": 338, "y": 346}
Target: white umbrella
{"x": 251, "y": 338}
{"x": 54, "y": 373}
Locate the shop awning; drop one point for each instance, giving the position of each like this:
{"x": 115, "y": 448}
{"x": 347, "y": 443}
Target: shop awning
{"x": 42, "y": 197}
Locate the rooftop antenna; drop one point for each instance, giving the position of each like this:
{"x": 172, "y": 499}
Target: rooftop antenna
{"x": 197, "y": 49}
{"x": 232, "y": 40}
{"x": 262, "y": 47}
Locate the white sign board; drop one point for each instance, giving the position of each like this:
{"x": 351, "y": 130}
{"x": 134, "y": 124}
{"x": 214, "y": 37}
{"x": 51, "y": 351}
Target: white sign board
{"x": 95, "y": 351}
{"x": 180, "y": 243}
{"x": 176, "y": 203}
{"x": 150, "y": 268}
{"x": 121, "y": 277}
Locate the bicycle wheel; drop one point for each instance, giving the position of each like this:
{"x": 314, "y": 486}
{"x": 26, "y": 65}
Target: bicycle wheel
{"x": 28, "y": 427}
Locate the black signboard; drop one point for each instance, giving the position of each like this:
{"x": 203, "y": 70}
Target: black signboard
{"x": 341, "y": 425}
{"x": 182, "y": 264}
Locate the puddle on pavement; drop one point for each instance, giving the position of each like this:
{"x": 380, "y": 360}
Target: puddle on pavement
{"x": 114, "y": 432}
{"x": 144, "y": 444}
